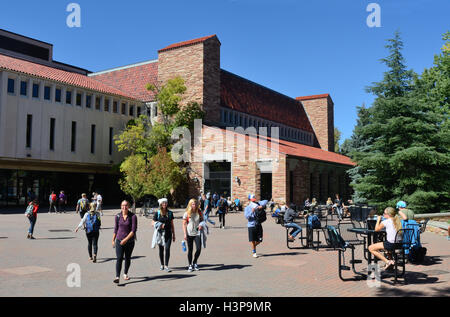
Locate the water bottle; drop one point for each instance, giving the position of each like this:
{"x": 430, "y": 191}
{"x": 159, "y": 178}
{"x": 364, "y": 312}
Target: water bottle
{"x": 183, "y": 245}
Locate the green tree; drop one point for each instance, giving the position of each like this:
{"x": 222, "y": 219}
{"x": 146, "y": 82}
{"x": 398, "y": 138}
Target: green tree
{"x": 133, "y": 183}
{"x": 337, "y": 138}
{"x": 402, "y": 157}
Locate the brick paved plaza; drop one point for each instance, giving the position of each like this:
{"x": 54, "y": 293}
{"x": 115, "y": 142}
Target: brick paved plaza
{"x": 39, "y": 267}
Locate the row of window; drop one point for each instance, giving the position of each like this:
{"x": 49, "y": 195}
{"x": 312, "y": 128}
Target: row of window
{"x": 90, "y": 100}
{"x": 73, "y": 138}
{"x": 237, "y": 119}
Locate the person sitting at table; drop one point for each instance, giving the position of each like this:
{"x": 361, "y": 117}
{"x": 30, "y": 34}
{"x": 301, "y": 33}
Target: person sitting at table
{"x": 329, "y": 205}
{"x": 392, "y": 225}
{"x": 289, "y": 217}
{"x": 406, "y": 214}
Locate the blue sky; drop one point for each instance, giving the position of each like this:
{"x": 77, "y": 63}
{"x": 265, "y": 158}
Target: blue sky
{"x": 298, "y": 47}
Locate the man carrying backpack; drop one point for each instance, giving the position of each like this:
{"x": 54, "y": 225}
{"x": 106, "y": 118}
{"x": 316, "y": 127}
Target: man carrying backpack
{"x": 222, "y": 210}
{"x": 92, "y": 222}
{"x": 82, "y": 205}
{"x": 254, "y": 212}
{"x": 53, "y": 200}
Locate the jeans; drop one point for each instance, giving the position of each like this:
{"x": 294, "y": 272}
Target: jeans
{"x": 207, "y": 218}
{"x": 32, "y": 220}
{"x": 92, "y": 242}
{"x": 222, "y": 219}
{"x": 198, "y": 248}
{"x": 53, "y": 206}
{"x": 296, "y": 229}
{"x": 121, "y": 251}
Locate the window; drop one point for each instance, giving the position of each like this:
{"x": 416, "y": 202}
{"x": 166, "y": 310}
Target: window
{"x": 124, "y": 108}
{"x": 68, "y": 97}
{"x": 97, "y": 102}
{"x": 47, "y": 92}
{"x": 74, "y": 137}
{"x": 139, "y": 110}
{"x": 29, "y": 127}
{"x": 52, "y": 133}
{"x": 35, "y": 90}
{"x": 11, "y": 84}
{"x": 221, "y": 115}
{"x": 132, "y": 111}
{"x": 93, "y": 139}
{"x": 156, "y": 111}
{"x": 88, "y": 101}
{"x": 23, "y": 88}
{"x": 106, "y": 104}
{"x": 58, "y": 95}
{"x": 111, "y": 136}
{"x": 78, "y": 101}
{"x": 115, "y": 106}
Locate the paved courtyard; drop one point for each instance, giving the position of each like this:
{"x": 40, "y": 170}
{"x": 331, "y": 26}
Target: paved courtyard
{"x": 40, "y": 267}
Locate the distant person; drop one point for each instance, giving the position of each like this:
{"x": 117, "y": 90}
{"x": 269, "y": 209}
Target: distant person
{"x": 329, "y": 205}
{"x": 222, "y": 211}
{"x": 99, "y": 206}
{"x": 82, "y": 205}
{"x": 94, "y": 199}
{"x": 289, "y": 222}
{"x": 92, "y": 224}
{"x": 207, "y": 208}
{"x": 53, "y": 200}
{"x": 406, "y": 214}
{"x": 338, "y": 205}
{"x": 123, "y": 240}
{"x": 163, "y": 221}
{"x": 255, "y": 229}
{"x": 31, "y": 214}
{"x": 62, "y": 202}
{"x": 313, "y": 204}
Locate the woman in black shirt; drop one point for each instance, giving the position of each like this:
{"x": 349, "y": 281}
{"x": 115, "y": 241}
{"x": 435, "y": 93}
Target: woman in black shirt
{"x": 165, "y": 217}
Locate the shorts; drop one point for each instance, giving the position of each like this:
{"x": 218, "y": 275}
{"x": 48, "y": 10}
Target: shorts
{"x": 388, "y": 246}
{"x": 255, "y": 233}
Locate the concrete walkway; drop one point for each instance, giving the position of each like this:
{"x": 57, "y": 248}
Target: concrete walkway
{"x": 40, "y": 267}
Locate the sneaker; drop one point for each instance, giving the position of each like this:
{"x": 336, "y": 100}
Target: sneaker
{"x": 190, "y": 268}
{"x": 161, "y": 268}
{"x": 28, "y": 236}
{"x": 94, "y": 260}
{"x": 116, "y": 280}
{"x": 255, "y": 255}
{"x": 196, "y": 267}
{"x": 167, "y": 269}
{"x": 32, "y": 238}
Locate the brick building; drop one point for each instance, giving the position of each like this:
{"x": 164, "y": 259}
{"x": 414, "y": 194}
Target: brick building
{"x": 57, "y": 124}
{"x": 303, "y": 163}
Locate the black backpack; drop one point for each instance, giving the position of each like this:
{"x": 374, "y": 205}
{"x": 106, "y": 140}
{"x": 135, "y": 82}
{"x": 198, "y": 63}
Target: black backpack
{"x": 417, "y": 254}
{"x": 260, "y": 215}
{"x": 223, "y": 204}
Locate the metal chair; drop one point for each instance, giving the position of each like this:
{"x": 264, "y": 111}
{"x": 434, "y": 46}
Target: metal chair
{"x": 301, "y": 238}
{"x": 403, "y": 240}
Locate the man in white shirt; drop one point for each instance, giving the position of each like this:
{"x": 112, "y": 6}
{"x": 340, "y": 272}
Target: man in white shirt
{"x": 99, "y": 204}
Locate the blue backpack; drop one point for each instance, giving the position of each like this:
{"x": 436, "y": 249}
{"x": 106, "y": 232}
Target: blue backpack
{"x": 92, "y": 223}
{"x": 314, "y": 222}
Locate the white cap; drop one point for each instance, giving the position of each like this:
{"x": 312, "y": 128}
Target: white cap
{"x": 162, "y": 200}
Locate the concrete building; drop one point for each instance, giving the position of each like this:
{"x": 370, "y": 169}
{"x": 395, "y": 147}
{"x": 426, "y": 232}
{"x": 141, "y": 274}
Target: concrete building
{"x": 300, "y": 164}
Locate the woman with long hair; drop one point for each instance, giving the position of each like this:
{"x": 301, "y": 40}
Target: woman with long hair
{"x": 191, "y": 229}
{"x": 165, "y": 218}
{"x": 91, "y": 222}
{"x": 393, "y": 224}
{"x": 123, "y": 238}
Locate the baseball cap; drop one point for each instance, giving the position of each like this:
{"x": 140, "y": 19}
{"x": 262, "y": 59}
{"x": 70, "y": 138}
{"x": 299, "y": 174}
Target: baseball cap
{"x": 401, "y": 204}
{"x": 251, "y": 197}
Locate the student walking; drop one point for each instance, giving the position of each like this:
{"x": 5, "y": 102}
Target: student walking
{"x": 191, "y": 229}
{"x": 31, "y": 214}
{"x": 165, "y": 231}
{"x": 124, "y": 238}
{"x": 255, "y": 229}
{"x": 53, "y": 199}
{"x": 208, "y": 209}
{"x": 82, "y": 205}
{"x": 62, "y": 202}
{"x": 99, "y": 200}
{"x": 92, "y": 223}
{"x": 222, "y": 210}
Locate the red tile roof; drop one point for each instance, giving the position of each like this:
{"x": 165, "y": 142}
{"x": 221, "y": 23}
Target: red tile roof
{"x": 313, "y": 97}
{"x": 186, "y": 43}
{"x": 245, "y": 96}
{"x": 54, "y": 74}
{"x": 132, "y": 80}
{"x": 296, "y": 149}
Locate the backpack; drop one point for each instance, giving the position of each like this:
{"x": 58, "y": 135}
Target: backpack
{"x": 83, "y": 205}
{"x": 29, "y": 211}
{"x": 223, "y": 204}
{"x": 260, "y": 215}
{"x": 417, "y": 254}
{"x": 335, "y": 238}
{"x": 314, "y": 222}
{"x": 92, "y": 223}
{"x": 169, "y": 214}
{"x": 53, "y": 197}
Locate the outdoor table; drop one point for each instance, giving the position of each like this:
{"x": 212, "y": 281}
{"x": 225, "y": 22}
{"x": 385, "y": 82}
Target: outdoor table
{"x": 370, "y": 234}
